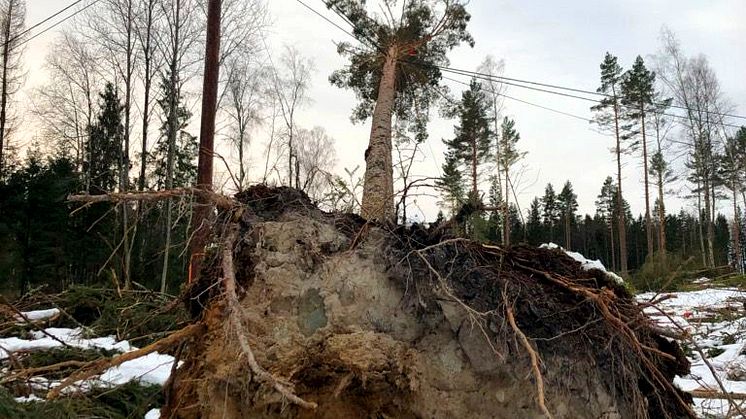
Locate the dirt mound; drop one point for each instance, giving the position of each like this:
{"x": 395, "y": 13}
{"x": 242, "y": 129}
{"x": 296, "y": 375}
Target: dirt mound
{"x": 366, "y": 321}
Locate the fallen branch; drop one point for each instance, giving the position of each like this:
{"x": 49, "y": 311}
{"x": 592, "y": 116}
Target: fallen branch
{"x": 30, "y": 372}
{"x": 540, "y": 398}
{"x": 235, "y": 317}
{"x": 99, "y": 366}
{"x": 702, "y": 355}
{"x": 712, "y": 394}
{"x": 219, "y": 200}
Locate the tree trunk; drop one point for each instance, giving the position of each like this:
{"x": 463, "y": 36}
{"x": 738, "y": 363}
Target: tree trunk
{"x": 506, "y": 209}
{"x": 699, "y": 226}
{"x": 207, "y": 134}
{"x": 710, "y": 233}
{"x": 736, "y": 231}
{"x": 497, "y": 158}
{"x": 148, "y": 59}
{"x": 378, "y": 190}
{"x": 620, "y": 200}
{"x": 648, "y": 219}
{"x": 568, "y": 233}
{"x": 662, "y": 218}
{"x": 4, "y": 88}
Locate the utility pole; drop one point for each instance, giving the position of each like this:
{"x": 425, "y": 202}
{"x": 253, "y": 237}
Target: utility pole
{"x": 200, "y": 221}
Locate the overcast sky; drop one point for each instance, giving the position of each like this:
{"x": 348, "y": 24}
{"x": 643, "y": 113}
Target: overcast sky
{"x": 557, "y": 42}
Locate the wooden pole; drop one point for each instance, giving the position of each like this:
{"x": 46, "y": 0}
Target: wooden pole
{"x": 207, "y": 133}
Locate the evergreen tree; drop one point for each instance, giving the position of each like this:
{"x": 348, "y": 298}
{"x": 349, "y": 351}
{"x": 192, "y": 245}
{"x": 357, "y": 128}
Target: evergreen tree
{"x": 105, "y": 144}
{"x": 551, "y": 211}
{"x": 638, "y": 93}
{"x": 470, "y": 145}
{"x": 609, "y": 113}
{"x": 394, "y": 72}
{"x": 175, "y": 164}
{"x": 509, "y": 156}
{"x": 605, "y": 209}
{"x": 534, "y": 233}
{"x": 496, "y": 200}
{"x": 174, "y": 157}
{"x": 451, "y": 185}
{"x": 567, "y": 203}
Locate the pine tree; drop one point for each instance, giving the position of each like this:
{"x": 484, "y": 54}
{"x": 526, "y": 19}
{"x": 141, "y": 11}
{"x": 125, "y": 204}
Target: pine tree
{"x": 567, "y": 203}
{"x": 609, "y": 113}
{"x": 551, "y": 213}
{"x": 638, "y": 93}
{"x": 105, "y": 144}
{"x": 470, "y": 145}
{"x": 394, "y": 73}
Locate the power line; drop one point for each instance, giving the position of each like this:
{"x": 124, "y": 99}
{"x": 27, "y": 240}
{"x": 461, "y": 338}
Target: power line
{"x": 493, "y": 78}
{"x": 527, "y": 102}
{"x": 45, "y": 20}
{"x": 327, "y": 19}
{"x": 590, "y": 92}
{"x": 516, "y": 82}
{"x": 77, "y": 12}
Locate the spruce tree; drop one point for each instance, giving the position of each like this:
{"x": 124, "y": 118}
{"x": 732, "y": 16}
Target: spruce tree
{"x": 470, "y": 145}
{"x": 533, "y": 223}
{"x": 509, "y": 156}
{"x": 451, "y": 185}
{"x": 550, "y": 210}
{"x": 609, "y": 114}
{"x": 105, "y": 144}
{"x": 638, "y": 93}
{"x": 394, "y": 72}
{"x": 606, "y": 210}
{"x": 567, "y": 203}
{"x": 174, "y": 156}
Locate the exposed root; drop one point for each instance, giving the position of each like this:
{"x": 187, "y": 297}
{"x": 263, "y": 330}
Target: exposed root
{"x": 236, "y": 321}
{"x": 540, "y": 398}
{"x": 96, "y": 367}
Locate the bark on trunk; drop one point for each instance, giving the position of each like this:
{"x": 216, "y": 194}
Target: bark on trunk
{"x": 662, "y": 218}
{"x": 622, "y": 225}
{"x": 4, "y": 91}
{"x": 648, "y": 218}
{"x": 506, "y": 210}
{"x": 736, "y": 232}
{"x": 378, "y": 191}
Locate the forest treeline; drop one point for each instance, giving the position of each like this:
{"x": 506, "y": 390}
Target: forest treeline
{"x": 116, "y": 116}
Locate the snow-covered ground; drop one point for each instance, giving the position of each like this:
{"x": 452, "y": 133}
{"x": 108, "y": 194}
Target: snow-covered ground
{"x": 153, "y": 368}
{"x": 715, "y": 318}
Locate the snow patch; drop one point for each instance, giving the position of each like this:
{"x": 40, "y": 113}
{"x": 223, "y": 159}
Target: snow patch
{"x": 36, "y": 315}
{"x": 153, "y": 414}
{"x": 587, "y": 264}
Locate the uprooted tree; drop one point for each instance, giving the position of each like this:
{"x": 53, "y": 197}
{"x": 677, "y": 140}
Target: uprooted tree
{"x": 311, "y": 314}
{"x": 394, "y": 71}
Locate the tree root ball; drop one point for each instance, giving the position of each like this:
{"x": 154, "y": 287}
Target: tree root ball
{"x": 365, "y": 320}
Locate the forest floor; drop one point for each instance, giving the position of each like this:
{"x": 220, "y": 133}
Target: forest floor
{"x": 714, "y": 317}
